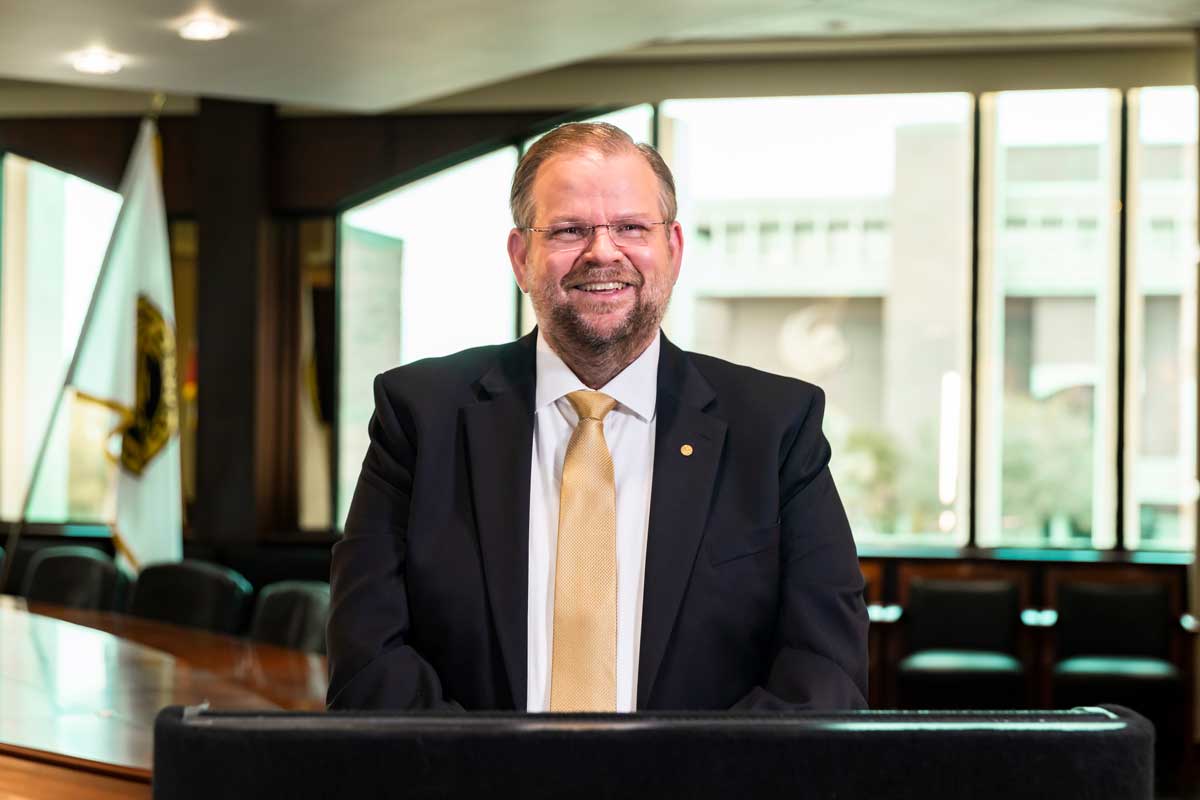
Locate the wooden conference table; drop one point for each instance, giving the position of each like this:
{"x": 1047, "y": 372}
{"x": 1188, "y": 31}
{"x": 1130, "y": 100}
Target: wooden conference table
{"x": 79, "y": 691}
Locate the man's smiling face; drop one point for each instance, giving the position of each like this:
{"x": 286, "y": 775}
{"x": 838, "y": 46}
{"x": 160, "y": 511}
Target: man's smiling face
{"x": 597, "y": 293}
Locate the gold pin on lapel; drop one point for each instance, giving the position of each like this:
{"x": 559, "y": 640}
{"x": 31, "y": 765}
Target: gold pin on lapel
{"x": 686, "y": 450}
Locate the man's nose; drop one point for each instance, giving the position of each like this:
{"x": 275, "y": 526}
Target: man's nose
{"x": 601, "y": 247}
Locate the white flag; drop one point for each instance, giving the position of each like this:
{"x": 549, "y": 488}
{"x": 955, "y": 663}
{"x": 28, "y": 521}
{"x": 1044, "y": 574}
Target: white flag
{"x": 125, "y": 360}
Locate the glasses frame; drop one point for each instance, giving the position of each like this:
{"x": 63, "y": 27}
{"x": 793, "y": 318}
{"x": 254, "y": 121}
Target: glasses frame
{"x": 590, "y": 230}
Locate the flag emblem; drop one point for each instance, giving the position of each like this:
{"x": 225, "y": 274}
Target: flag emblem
{"x": 155, "y": 418}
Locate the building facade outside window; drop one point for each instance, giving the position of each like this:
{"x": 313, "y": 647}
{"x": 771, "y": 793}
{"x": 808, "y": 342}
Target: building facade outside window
{"x": 1160, "y": 448}
{"x": 817, "y": 229}
{"x": 1048, "y": 311}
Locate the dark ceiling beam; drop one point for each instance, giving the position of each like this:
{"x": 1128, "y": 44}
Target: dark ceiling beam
{"x": 314, "y": 163}
{"x": 319, "y": 162}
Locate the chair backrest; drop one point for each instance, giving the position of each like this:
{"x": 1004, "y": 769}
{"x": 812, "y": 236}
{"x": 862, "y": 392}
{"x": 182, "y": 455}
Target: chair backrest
{"x": 985, "y": 755}
{"x": 1113, "y": 619}
{"x": 292, "y": 614}
{"x": 73, "y": 576}
{"x": 193, "y": 593}
{"x": 962, "y": 615}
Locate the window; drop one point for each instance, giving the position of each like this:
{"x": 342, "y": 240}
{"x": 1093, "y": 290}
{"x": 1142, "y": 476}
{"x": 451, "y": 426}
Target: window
{"x": 838, "y": 249}
{"x": 770, "y": 243}
{"x": 54, "y": 229}
{"x": 422, "y": 272}
{"x": 1160, "y": 391}
{"x": 876, "y": 194}
{"x": 735, "y": 240}
{"x": 1047, "y": 351}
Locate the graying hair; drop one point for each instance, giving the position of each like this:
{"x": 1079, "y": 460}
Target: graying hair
{"x": 582, "y": 136}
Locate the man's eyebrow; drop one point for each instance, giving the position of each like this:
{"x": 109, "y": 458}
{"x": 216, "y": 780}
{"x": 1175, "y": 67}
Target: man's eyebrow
{"x": 622, "y": 217}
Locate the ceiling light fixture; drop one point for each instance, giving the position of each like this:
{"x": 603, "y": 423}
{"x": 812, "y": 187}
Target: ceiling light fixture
{"x": 205, "y": 28}
{"x": 97, "y": 61}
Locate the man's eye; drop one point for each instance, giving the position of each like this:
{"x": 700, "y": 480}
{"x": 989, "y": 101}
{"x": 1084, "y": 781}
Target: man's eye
{"x": 634, "y": 228}
{"x": 567, "y": 232}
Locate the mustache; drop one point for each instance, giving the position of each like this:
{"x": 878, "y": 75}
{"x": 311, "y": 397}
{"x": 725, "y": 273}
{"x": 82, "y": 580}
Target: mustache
{"x": 602, "y": 275}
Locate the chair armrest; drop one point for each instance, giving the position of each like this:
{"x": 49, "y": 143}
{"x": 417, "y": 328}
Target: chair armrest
{"x": 1039, "y": 617}
{"x": 880, "y": 614}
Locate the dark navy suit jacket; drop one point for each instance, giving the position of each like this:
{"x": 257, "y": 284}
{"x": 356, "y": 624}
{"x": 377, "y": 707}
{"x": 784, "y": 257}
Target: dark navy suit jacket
{"x": 753, "y": 594}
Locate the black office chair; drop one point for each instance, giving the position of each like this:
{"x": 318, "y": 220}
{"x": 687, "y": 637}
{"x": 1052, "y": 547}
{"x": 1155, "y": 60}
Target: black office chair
{"x": 72, "y": 576}
{"x": 962, "y": 646}
{"x": 292, "y": 614}
{"x": 1113, "y": 643}
{"x": 196, "y": 594}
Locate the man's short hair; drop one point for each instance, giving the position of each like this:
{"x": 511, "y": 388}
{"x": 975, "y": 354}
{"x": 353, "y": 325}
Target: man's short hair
{"x": 574, "y": 137}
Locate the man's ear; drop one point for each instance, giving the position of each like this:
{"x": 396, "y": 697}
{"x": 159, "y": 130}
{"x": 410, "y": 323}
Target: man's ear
{"x": 518, "y": 251}
{"x": 675, "y": 248}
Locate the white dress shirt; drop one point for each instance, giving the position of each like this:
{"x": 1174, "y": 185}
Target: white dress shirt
{"x": 629, "y": 432}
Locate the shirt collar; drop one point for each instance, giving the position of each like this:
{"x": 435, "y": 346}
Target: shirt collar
{"x": 635, "y": 387}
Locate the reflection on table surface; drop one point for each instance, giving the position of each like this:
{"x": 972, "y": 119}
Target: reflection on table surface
{"x": 81, "y": 688}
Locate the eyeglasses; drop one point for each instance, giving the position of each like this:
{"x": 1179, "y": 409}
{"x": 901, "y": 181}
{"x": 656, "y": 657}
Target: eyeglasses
{"x": 575, "y": 234}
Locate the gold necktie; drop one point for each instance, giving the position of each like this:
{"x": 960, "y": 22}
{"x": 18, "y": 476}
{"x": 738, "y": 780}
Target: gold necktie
{"x": 583, "y": 672}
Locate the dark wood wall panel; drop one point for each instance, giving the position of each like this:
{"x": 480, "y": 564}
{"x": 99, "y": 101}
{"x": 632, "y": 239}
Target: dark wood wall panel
{"x": 232, "y": 214}
{"x": 178, "y": 165}
{"x": 97, "y": 149}
{"x": 94, "y": 148}
{"x": 279, "y": 378}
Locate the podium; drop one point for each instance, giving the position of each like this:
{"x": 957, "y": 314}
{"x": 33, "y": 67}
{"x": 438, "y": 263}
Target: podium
{"x": 1086, "y": 752}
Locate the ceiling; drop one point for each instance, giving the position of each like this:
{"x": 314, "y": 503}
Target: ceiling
{"x": 856, "y": 18}
{"x": 377, "y": 55}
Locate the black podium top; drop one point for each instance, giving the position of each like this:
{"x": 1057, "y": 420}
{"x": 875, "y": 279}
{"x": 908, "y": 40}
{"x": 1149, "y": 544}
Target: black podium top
{"x": 1088, "y": 752}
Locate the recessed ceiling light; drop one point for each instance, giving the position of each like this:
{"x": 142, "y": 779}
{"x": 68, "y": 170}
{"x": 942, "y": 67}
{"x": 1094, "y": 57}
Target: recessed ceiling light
{"x": 205, "y": 28}
{"x": 96, "y": 61}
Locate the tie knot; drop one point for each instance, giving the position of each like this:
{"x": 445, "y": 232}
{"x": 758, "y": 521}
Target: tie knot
{"x": 591, "y": 405}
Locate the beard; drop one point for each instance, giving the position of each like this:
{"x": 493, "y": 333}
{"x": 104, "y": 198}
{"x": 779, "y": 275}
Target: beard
{"x": 568, "y": 323}
{"x": 570, "y": 326}
{"x": 611, "y": 349}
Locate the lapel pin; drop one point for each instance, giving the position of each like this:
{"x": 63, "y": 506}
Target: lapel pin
{"x": 686, "y": 450}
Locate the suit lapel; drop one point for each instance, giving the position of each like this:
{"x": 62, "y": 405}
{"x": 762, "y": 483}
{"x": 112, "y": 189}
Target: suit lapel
{"x": 679, "y": 502}
{"x": 499, "y": 434}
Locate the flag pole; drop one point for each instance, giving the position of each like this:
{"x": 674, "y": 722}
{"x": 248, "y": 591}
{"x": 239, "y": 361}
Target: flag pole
{"x": 158, "y": 101}
{"x": 14, "y": 536}
{"x": 122, "y": 547}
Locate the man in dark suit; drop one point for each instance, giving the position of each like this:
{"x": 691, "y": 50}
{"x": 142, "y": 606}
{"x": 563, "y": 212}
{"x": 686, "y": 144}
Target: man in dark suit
{"x": 590, "y": 518}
